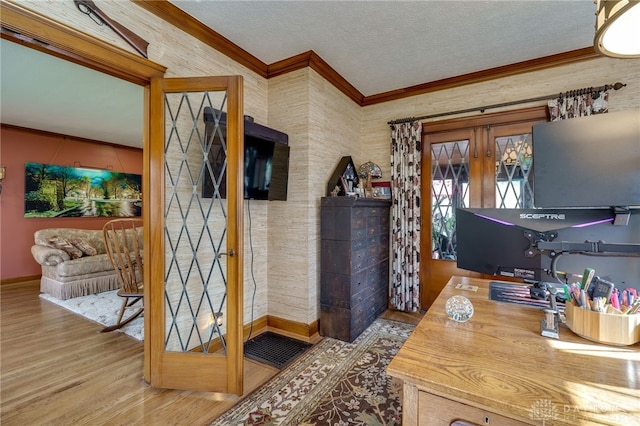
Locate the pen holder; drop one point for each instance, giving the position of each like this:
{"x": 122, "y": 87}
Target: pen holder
{"x": 611, "y": 329}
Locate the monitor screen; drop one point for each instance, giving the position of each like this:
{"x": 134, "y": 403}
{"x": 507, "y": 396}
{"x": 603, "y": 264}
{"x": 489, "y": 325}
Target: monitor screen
{"x": 499, "y": 242}
{"x": 589, "y": 161}
{"x": 489, "y": 246}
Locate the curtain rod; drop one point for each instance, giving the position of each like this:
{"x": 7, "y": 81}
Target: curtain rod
{"x": 615, "y": 86}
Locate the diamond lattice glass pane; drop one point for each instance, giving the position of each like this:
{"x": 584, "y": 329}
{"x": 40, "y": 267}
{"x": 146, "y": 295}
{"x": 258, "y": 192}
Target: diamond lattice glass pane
{"x": 195, "y": 221}
{"x": 449, "y": 190}
{"x": 514, "y": 180}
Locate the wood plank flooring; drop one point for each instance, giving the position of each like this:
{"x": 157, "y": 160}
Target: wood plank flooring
{"x": 57, "y": 369}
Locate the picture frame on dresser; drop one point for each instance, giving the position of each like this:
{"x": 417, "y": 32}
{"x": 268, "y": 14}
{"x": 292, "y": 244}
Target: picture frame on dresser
{"x": 343, "y": 176}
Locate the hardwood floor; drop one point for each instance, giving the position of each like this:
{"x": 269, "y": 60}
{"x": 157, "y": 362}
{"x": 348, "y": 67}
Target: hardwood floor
{"x": 56, "y": 368}
{"x": 403, "y": 316}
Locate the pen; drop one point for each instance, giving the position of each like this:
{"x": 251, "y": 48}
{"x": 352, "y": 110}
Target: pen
{"x": 634, "y": 309}
{"x": 614, "y": 301}
{"x": 619, "y": 298}
{"x": 583, "y": 299}
{"x": 587, "y": 276}
{"x": 576, "y": 299}
{"x": 575, "y": 293}
{"x": 575, "y": 288}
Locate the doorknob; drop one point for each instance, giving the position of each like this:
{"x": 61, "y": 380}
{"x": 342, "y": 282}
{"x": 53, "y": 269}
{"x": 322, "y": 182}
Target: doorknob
{"x": 231, "y": 253}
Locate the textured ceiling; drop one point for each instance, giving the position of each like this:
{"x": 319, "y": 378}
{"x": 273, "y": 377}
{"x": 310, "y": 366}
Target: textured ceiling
{"x": 377, "y": 46}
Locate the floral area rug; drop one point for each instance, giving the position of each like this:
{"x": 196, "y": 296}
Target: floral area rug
{"x": 103, "y": 308}
{"x": 334, "y": 382}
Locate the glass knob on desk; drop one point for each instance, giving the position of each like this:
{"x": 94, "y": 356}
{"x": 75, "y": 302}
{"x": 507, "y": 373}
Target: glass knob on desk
{"x": 459, "y": 308}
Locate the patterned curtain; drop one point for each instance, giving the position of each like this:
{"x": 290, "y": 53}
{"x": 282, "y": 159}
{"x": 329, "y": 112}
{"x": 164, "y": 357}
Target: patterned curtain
{"x": 579, "y": 103}
{"x": 406, "y": 141}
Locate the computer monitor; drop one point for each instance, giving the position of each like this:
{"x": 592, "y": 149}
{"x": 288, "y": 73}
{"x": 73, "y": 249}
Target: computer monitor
{"x": 591, "y": 161}
{"x": 535, "y": 244}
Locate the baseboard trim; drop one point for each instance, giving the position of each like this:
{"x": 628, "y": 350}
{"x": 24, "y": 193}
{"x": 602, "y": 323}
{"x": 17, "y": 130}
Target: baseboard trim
{"x": 294, "y": 329}
{"x": 19, "y": 279}
{"x": 259, "y": 327}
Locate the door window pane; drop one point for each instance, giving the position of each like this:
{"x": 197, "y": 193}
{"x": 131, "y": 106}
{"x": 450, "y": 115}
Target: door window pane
{"x": 514, "y": 180}
{"x": 449, "y": 190}
{"x": 195, "y": 221}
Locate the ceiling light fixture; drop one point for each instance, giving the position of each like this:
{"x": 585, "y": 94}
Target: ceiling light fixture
{"x": 618, "y": 28}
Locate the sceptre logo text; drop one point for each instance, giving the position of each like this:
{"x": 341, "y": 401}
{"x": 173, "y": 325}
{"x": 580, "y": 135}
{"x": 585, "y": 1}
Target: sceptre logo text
{"x": 547, "y": 216}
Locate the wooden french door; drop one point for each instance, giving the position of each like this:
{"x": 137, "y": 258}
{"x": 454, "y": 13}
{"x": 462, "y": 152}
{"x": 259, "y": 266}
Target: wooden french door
{"x": 201, "y": 356}
{"x": 482, "y": 161}
{"x": 193, "y": 302}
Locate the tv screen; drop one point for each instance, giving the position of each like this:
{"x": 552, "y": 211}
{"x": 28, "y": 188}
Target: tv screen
{"x": 279, "y": 172}
{"x": 266, "y": 160}
{"x": 498, "y": 242}
{"x": 266, "y": 169}
{"x": 589, "y": 161}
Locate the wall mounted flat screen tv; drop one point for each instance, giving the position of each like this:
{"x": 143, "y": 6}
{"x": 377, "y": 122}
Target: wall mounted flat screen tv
{"x": 266, "y": 160}
{"x": 266, "y": 169}
{"x": 589, "y": 161}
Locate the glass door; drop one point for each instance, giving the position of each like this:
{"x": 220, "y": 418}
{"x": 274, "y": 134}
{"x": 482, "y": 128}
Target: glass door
{"x": 483, "y": 161}
{"x": 513, "y": 154}
{"x": 450, "y": 159}
{"x": 194, "y": 333}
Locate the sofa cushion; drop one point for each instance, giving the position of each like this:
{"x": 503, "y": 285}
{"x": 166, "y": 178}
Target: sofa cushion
{"x": 62, "y": 244}
{"x": 92, "y": 236}
{"x": 84, "y": 246}
{"x": 85, "y": 265}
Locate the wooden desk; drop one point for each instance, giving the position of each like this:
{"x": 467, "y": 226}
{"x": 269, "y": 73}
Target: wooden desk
{"x": 497, "y": 369}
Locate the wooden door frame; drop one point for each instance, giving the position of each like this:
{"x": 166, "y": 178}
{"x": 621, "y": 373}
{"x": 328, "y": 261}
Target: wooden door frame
{"x": 427, "y": 275}
{"x": 170, "y": 369}
{"x": 39, "y": 32}
{"x": 479, "y": 157}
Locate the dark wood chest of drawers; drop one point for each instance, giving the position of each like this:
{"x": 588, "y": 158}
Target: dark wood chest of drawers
{"x": 354, "y": 264}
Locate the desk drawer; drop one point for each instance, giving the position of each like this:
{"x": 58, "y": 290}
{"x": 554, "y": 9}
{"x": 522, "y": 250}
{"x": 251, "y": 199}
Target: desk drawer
{"x": 435, "y": 410}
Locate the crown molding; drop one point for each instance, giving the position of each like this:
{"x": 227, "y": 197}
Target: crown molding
{"x": 39, "y": 32}
{"x": 48, "y": 134}
{"x": 312, "y": 60}
{"x": 187, "y": 23}
{"x": 175, "y": 16}
{"x": 565, "y": 58}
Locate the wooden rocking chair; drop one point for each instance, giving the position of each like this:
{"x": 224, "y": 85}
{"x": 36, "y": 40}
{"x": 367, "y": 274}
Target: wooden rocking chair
{"x": 122, "y": 241}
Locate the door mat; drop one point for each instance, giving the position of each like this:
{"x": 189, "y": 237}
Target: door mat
{"x": 274, "y": 350}
{"x": 516, "y": 293}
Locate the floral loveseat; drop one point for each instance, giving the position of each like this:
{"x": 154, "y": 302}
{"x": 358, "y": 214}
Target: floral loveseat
{"x": 74, "y": 262}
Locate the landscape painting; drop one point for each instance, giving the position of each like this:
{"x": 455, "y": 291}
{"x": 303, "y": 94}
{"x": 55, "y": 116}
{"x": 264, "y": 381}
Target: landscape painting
{"x": 63, "y": 191}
